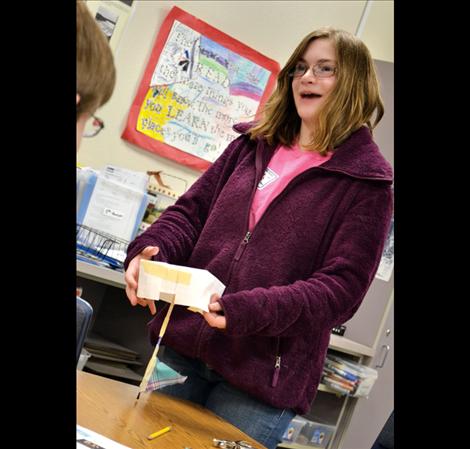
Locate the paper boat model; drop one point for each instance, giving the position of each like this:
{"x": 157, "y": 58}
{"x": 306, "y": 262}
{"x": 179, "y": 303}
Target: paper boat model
{"x": 191, "y": 287}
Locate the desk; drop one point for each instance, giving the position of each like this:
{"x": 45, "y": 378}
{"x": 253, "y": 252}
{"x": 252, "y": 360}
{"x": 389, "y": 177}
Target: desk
{"x": 110, "y": 408}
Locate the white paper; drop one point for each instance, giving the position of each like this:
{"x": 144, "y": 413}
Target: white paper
{"x": 113, "y": 208}
{"x": 88, "y": 439}
{"x": 134, "y": 179}
{"x": 191, "y": 287}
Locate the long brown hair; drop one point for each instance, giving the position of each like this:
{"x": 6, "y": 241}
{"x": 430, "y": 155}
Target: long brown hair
{"x": 96, "y": 73}
{"x": 349, "y": 106}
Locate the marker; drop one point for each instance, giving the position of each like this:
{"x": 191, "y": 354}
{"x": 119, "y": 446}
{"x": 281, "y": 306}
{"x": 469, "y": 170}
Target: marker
{"x": 160, "y": 432}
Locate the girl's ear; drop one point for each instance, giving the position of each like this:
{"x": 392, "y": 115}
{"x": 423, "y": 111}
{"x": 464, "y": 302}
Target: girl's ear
{"x": 78, "y": 98}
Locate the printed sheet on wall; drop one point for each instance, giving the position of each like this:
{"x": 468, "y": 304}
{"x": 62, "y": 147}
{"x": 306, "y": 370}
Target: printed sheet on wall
{"x": 197, "y": 84}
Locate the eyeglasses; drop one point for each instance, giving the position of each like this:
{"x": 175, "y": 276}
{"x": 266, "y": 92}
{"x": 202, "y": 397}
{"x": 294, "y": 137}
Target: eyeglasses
{"x": 320, "y": 70}
{"x": 93, "y": 127}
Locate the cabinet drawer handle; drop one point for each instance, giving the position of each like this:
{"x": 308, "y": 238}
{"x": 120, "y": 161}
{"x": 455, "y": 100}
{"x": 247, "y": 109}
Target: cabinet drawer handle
{"x": 387, "y": 348}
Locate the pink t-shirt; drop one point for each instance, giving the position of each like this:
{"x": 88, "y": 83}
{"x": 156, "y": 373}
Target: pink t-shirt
{"x": 286, "y": 164}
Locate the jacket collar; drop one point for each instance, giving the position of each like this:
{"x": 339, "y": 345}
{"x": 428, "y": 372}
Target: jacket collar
{"x": 359, "y": 156}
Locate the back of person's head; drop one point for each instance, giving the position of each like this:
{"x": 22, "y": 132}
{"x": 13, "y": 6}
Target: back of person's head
{"x": 350, "y": 105}
{"x": 96, "y": 73}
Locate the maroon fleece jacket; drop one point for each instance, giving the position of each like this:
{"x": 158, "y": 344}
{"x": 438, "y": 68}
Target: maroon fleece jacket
{"x": 305, "y": 268}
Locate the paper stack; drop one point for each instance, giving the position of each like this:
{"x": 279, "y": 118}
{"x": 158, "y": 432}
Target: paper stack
{"x": 112, "y": 201}
{"x": 191, "y": 287}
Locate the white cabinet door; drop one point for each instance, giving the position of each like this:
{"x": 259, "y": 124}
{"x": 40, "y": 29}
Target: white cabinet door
{"x": 370, "y": 414}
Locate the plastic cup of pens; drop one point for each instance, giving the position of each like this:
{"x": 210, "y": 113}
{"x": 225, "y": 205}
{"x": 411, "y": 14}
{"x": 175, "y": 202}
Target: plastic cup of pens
{"x": 347, "y": 377}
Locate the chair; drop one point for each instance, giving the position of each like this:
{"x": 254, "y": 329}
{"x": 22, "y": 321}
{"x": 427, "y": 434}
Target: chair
{"x": 84, "y": 315}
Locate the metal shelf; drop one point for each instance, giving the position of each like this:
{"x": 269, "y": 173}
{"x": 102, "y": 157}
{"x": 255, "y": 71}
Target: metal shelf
{"x": 101, "y": 274}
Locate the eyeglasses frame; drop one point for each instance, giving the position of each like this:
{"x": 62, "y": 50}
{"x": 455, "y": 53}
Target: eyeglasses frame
{"x": 313, "y": 69}
{"x": 100, "y": 127}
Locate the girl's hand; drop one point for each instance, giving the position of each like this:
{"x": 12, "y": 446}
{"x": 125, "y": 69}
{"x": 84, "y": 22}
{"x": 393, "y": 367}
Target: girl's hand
{"x": 132, "y": 277}
{"x": 215, "y": 317}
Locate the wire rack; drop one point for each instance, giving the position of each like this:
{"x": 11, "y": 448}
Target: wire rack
{"x": 100, "y": 248}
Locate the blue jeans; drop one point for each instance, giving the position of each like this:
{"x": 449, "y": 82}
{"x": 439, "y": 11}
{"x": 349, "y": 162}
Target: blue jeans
{"x": 262, "y": 422}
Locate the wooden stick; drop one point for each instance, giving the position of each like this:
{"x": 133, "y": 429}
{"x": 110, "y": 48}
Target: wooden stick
{"x": 153, "y": 359}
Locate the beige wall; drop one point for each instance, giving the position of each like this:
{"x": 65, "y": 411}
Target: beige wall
{"x": 378, "y": 30}
{"x": 274, "y": 28}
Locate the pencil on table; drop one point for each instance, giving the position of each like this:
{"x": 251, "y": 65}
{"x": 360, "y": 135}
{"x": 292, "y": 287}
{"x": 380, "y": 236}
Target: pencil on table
{"x": 158, "y": 433}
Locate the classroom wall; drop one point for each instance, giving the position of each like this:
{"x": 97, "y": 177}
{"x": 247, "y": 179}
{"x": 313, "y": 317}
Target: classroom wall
{"x": 273, "y": 28}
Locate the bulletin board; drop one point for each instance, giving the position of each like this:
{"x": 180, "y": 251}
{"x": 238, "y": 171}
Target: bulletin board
{"x": 197, "y": 84}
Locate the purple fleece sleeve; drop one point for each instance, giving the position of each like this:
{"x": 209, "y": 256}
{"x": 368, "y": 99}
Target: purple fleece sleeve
{"x": 334, "y": 292}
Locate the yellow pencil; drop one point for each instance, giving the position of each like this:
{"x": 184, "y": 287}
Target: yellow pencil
{"x": 160, "y": 432}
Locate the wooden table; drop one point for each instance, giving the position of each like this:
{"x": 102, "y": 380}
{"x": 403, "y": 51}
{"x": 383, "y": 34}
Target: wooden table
{"x": 110, "y": 408}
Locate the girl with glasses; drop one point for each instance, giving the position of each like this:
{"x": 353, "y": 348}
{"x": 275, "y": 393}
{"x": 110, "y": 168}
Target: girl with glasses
{"x": 292, "y": 218}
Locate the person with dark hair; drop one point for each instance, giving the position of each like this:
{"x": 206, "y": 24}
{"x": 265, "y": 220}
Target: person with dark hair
{"x": 292, "y": 218}
{"x": 96, "y": 73}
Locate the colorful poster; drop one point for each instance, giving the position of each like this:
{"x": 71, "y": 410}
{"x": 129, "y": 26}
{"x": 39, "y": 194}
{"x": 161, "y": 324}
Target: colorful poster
{"x": 198, "y": 83}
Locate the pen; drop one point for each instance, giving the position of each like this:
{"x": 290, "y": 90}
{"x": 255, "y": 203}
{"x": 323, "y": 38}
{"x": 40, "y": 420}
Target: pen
{"x": 158, "y": 433}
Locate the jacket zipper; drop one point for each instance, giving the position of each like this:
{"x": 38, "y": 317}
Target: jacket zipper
{"x": 246, "y": 238}
{"x": 238, "y": 253}
{"x": 237, "y": 256}
{"x": 242, "y": 246}
{"x": 241, "y": 249}
{"x": 277, "y": 365}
